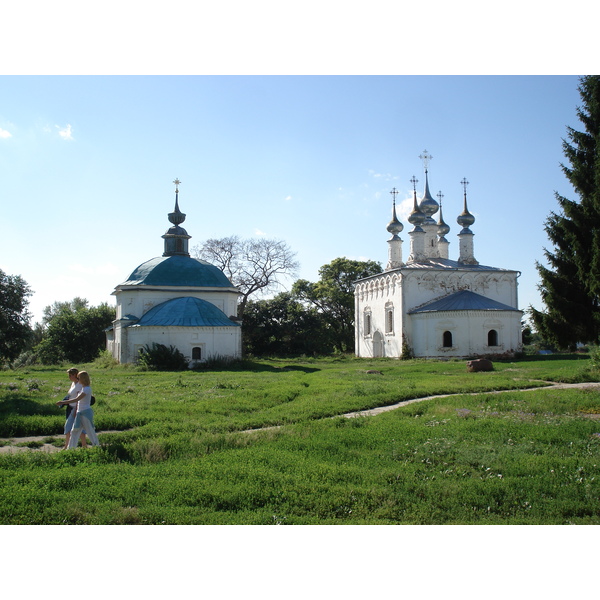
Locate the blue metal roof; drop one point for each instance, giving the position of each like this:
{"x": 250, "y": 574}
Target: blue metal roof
{"x": 185, "y": 312}
{"x": 178, "y": 271}
{"x": 463, "y": 300}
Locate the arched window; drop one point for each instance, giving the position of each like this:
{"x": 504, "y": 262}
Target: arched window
{"x": 389, "y": 320}
{"x": 492, "y": 337}
{"x": 196, "y": 353}
{"x": 447, "y": 339}
{"x": 389, "y": 317}
{"x": 368, "y": 323}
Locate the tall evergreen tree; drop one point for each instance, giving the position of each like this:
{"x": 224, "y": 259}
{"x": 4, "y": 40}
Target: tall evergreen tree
{"x": 570, "y": 285}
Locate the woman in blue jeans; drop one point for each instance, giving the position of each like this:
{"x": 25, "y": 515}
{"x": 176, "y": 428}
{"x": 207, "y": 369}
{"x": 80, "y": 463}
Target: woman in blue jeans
{"x": 74, "y": 390}
{"x": 84, "y": 419}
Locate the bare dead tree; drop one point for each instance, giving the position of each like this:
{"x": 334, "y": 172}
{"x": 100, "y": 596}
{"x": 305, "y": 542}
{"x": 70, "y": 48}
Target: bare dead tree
{"x": 253, "y": 265}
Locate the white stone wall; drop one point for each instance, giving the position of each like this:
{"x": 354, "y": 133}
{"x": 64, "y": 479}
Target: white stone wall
{"x": 425, "y": 285}
{"x": 405, "y": 289}
{"x": 138, "y": 301}
{"x": 377, "y": 297}
{"x": 469, "y": 330}
{"x": 213, "y": 341}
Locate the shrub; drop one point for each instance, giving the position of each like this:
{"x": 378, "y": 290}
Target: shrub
{"x": 216, "y": 362}
{"x": 105, "y": 360}
{"x": 594, "y": 351}
{"x": 157, "y": 357}
{"x": 25, "y": 359}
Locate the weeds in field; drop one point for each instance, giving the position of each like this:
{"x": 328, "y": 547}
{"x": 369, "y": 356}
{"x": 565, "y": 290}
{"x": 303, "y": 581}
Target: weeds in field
{"x": 180, "y": 452}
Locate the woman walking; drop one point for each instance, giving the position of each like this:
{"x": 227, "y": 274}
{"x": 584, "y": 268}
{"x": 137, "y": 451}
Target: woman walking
{"x": 84, "y": 419}
{"x": 74, "y": 390}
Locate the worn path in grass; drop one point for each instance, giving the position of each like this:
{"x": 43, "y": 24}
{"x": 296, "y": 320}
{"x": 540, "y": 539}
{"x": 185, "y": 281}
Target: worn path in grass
{"x": 551, "y": 386}
{"x": 12, "y": 445}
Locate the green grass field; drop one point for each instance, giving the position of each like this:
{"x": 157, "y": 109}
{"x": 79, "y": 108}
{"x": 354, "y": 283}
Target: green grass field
{"x": 177, "y": 449}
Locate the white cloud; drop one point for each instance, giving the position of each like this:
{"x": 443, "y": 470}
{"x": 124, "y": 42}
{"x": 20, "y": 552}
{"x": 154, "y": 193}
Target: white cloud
{"x": 384, "y": 176}
{"x": 5, "y": 134}
{"x": 404, "y": 208}
{"x": 259, "y": 232}
{"x": 65, "y": 133}
{"x": 287, "y": 198}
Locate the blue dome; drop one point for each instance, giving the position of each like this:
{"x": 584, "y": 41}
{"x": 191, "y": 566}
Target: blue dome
{"x": 178, "y": 271}
{"x": 185, "y": 312}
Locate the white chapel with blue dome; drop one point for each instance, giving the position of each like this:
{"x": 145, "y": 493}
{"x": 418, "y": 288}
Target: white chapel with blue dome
{"x": 176, "y": 300}
{"x": 430, "y": 305}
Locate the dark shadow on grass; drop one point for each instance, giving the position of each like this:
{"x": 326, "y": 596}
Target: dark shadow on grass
{"x": 259, "y": 367}
{"x": 19, "y": 404}
{"x": 548, "y": 357}
{"x": 299, "y": 368}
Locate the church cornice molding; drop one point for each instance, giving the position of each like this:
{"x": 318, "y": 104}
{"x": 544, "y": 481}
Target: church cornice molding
{"x": 174, "y": 288}
{"x": 174, "y": 328}
{"x": 464, "y": 313}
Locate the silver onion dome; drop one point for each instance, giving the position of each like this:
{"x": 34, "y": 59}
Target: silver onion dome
{"x": 465, "y": 219}
{"x": 416, "y": 217}
{"x": 427, "y": 204}
{"x": 443, "y": 228}
{"x": 394, "y": 226}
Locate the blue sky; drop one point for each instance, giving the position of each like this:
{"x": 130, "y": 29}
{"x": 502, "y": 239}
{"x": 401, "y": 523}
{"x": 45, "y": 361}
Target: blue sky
{"x": 87, "y": 164}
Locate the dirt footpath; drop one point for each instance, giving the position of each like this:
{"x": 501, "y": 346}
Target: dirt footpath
{"x": 10, "y": 444}
{"x": 13, "y": 445}
{"x": 18, "y": 444}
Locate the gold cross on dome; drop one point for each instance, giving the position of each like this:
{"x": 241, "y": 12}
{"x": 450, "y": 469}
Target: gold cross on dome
{"x": 464, "y": 183}
{"x": 176, "y": 182}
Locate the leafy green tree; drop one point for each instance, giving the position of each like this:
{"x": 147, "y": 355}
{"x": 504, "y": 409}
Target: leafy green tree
{"x": 74, "y": 332}
{"x": 333, "y": 296}
{"x": 15, "y": 331}
{"x": 282, "y": 326}
{"x": 59, "y": 307}
{"x": 570, "y": 285}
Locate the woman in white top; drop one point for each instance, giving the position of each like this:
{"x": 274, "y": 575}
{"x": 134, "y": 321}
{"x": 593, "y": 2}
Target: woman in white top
{"x": 74, "y": 390}
{"x": 85, "y": 415}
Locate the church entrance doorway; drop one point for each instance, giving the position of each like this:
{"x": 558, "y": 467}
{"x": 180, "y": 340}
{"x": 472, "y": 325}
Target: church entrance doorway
{"x": 377, "y": 345}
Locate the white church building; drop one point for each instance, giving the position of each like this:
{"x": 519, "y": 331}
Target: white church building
{"x": 431, "y": 306}
{"x": 176, "y": 300}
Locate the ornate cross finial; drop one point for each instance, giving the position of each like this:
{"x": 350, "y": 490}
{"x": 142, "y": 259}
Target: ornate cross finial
{"x": 414, "y": 181}
{"x": 439, "y": 197}
{"x": 464, "y": 183}
{"x": 425, "y": 157}
{"x": 176, "y": 182}
{"x": 394, "y": 193}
